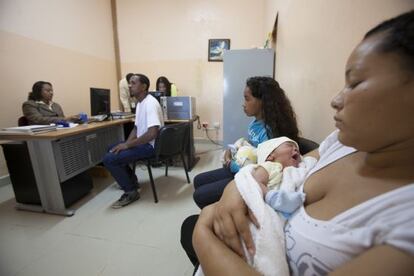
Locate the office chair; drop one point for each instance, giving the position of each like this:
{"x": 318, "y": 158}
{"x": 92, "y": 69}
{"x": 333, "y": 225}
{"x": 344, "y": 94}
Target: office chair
{"x": 170, "y": 142}
{"x": 306, "y": 145}
{"x": 22, "y": 121}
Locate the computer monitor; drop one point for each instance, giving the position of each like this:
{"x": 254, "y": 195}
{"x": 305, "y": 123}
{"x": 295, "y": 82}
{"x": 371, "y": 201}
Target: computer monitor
{"x": 100, "y": 101}
{"x": 157, "y": 94}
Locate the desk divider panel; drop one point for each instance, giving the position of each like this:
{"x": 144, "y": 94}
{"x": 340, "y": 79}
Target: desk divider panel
{"x": 77, "y": 153}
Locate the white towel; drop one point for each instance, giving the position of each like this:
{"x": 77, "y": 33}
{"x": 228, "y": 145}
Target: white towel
{"x": 269, "y": 240}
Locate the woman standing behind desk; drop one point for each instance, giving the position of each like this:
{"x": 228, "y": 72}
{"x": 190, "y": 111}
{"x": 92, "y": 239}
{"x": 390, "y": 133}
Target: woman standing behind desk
{"x": 39, "y": 108}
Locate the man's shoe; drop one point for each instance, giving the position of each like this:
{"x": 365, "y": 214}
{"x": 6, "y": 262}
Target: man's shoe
{"x": 126, "y": 199}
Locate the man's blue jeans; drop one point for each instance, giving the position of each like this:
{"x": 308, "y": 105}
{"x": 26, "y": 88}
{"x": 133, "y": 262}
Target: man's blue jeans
{"x": 118, "y": 164}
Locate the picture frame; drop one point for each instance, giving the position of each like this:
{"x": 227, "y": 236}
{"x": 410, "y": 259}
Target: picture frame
{"x": 216, "y": 48}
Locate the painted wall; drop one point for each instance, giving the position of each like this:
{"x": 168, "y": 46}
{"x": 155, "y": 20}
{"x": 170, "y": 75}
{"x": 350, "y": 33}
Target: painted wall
{"x": 314, "y": 41}
{"x": 170, "y": 38}
{"x": 68, "y": 43}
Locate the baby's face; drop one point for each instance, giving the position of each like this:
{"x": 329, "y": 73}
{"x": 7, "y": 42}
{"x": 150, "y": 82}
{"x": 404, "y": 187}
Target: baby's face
{"x": 286, "y": 154}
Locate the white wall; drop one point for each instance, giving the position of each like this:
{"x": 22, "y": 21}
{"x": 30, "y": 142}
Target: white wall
{"x": 315, "y": 39}
{"x": 82, "y": 26}
{"x": 68, "y": 43}
{"x": 171, "y": 38}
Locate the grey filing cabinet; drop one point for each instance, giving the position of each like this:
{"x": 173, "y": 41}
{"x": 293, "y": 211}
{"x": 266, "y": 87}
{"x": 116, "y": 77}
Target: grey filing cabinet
{"x": 239, "y": 65}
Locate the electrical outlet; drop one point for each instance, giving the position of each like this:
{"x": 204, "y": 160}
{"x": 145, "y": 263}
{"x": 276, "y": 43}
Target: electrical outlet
{"x": 216, "y": 125}
{"x": 204, "y": 124}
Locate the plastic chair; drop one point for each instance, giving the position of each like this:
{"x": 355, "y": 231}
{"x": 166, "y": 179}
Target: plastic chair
{"x": 170, "y": 142}
{"x": 306, "y": 145}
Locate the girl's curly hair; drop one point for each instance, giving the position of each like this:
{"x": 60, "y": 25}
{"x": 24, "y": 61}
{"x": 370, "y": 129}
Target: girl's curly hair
{"x": 277, "y": 112}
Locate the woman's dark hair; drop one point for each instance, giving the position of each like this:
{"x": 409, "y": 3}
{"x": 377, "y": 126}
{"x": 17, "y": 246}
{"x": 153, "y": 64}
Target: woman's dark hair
{"x": 167, "y": 84}
{"x": 277, "y": 113}
{"x": 36, "y": 94}
{"x": 399, "y": 37}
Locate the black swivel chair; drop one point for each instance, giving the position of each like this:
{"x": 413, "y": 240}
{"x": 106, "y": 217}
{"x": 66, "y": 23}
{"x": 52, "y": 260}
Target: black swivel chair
{"x": 306, "y": 145}
{"x": 22, "y": 121}
{"x": 170, "y": 142}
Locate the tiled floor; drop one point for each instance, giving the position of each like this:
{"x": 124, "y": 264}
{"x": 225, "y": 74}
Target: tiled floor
{"x": 140, "y": 239}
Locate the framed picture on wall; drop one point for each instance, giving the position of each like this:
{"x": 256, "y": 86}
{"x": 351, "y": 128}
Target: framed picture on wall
{"x": 216, "y": 48}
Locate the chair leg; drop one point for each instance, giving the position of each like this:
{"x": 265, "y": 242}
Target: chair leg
{"x": 185, "y": 168}
{"x": 166, "y": 168}
{"x": 152, "y": 182}
{"x": 133, "y": 166}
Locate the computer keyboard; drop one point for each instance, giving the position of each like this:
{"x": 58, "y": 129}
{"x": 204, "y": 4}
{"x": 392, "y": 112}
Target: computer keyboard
{"x": 98, "y": 118}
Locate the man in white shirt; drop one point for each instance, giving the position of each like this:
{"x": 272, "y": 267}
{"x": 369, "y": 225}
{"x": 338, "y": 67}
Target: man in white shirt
{"x": 127, "y": 100}
{"x": 140, "y": 143}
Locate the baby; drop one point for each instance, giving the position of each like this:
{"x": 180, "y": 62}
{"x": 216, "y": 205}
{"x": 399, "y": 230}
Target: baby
{"x": 272, "y": 157}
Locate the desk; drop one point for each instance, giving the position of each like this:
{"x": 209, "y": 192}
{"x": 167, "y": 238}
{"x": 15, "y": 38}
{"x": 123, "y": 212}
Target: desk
{"x": 59, "y": 155}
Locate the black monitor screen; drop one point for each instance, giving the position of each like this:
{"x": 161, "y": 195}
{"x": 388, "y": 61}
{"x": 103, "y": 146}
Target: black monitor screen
{"x": 157, "y": 94}
{"x": 100, "y": 101}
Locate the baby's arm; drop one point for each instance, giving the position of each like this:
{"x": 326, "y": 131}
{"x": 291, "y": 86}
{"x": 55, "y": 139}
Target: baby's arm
{"x": 262, "y": 178}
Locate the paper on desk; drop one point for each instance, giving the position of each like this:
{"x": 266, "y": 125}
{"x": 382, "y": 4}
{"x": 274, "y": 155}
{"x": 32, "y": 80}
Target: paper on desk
{"x": 71, "y": 125}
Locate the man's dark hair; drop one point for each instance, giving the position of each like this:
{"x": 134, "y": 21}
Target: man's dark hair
{"x": 144, "y": 80}
{"x": 399, "y": 37}
{"x": 128, "y": 76}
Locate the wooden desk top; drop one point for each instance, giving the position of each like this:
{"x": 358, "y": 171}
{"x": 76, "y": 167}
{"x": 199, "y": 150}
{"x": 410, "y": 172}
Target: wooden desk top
{"x": 64, "y": 132}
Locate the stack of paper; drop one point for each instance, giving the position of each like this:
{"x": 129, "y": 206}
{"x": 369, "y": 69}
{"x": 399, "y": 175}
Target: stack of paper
{"x": 33, "y": 129}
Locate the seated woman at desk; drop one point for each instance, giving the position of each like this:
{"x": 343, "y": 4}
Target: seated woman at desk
{"x": 164, "y": 85}
{"x": 39, "y": 108}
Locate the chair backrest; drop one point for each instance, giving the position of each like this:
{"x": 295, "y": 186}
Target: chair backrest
{"x": 22, "y": 121}
{"x": 306, "y": 145}
{"x": 171, "y": 140}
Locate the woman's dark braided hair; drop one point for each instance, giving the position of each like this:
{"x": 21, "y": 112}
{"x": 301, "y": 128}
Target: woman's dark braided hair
{"x": 277, "y": 113}
{"x": 399, "y": 37}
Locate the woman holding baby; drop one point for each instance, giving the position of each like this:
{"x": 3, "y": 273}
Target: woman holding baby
{"x": 358, "y": 216}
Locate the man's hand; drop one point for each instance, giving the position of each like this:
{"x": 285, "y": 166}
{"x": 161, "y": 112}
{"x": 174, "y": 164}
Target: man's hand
{"x": 231, "y": 221}
{"x": 118, "y": 148}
